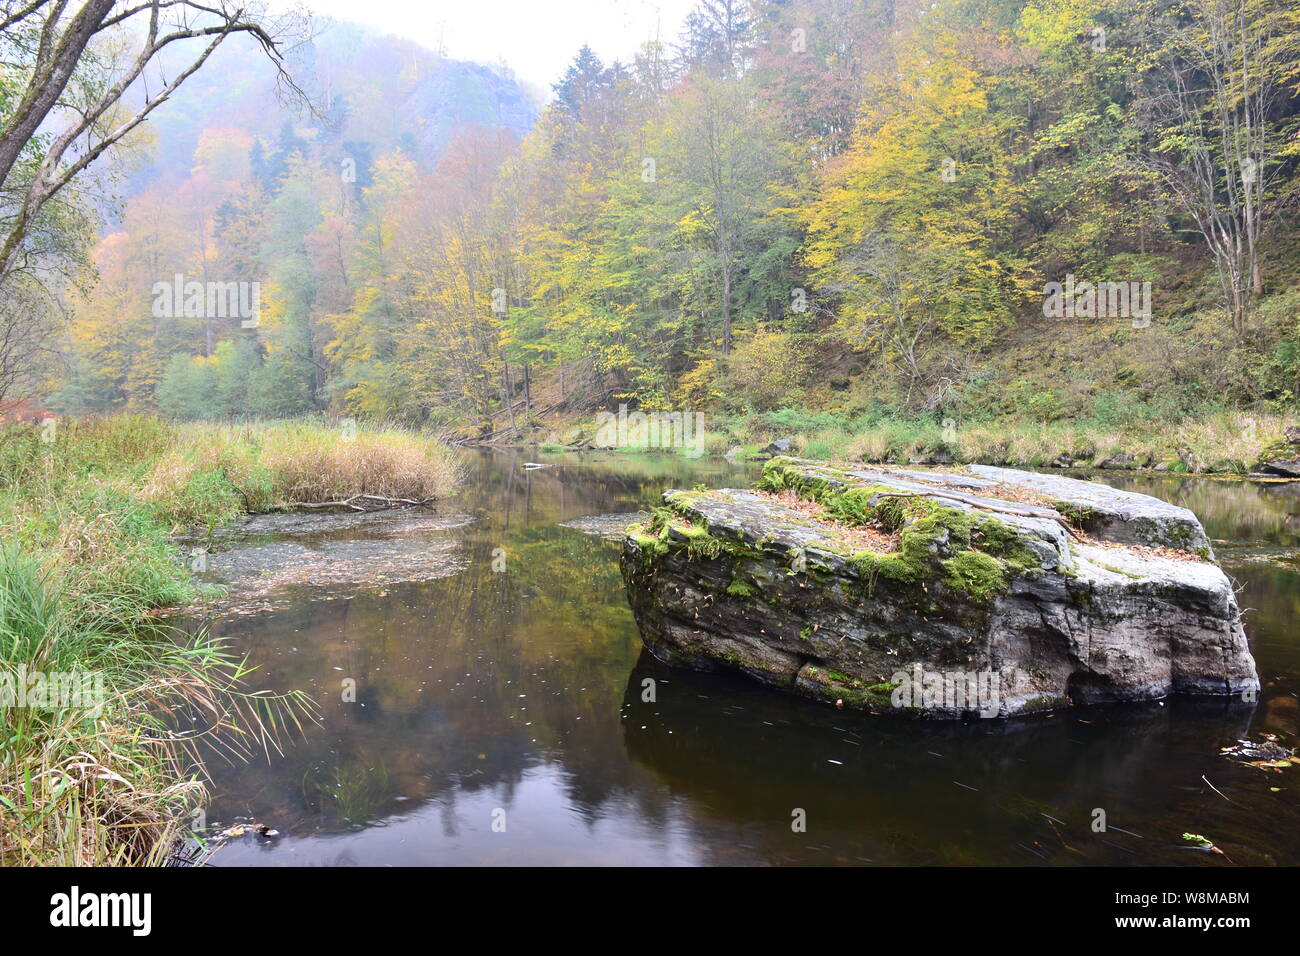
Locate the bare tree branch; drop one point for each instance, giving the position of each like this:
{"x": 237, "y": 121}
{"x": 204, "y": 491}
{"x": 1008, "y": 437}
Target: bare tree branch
{"x": 60, "y": 82}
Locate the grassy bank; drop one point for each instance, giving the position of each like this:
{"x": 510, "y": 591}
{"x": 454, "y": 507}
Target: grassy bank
{"x": 87, "y": 509}
{"x": 1219, "y": 442}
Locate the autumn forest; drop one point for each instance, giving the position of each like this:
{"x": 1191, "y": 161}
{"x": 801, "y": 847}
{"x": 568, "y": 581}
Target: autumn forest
{"x": 843, "y": 206}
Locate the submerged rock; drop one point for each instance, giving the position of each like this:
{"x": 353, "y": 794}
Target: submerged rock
{"x": 985, "y": 590}
{"x": 1251, "y": 750}
{"x": 609, "y": 526}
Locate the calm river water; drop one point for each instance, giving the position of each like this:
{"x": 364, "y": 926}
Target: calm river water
{"x": 498, "y": 715}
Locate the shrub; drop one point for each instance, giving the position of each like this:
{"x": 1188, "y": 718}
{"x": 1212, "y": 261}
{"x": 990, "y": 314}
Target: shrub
{"x": 770, "y": 369}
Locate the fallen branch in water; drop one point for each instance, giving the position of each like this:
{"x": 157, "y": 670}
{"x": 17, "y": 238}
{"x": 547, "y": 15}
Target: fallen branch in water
{"x": 358, "y": 503}
{"x": 1214, "y": 788}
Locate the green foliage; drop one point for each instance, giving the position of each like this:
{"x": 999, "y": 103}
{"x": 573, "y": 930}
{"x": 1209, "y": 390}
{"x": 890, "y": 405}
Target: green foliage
{"x": 234, "y": 384}
{"x": 769, "y": 370}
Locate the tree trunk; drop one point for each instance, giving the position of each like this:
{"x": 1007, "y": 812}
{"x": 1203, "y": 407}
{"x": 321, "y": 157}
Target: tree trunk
{"x": 726, "y": 308}
{"x": 508, "y": 395}
{"x": 46, "y": 88}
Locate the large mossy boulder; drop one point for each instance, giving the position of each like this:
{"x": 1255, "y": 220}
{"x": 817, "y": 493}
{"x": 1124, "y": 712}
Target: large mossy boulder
{"x": 981, "y": 590}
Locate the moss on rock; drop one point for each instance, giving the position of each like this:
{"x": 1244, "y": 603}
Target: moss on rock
{"x": 980, "y": 575}
{"x": 733, "y": 579}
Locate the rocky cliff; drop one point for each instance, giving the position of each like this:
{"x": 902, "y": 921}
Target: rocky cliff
{"x": 980, "y": 591}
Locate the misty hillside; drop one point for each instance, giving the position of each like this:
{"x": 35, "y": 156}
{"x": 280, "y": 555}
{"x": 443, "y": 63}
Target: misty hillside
{"x": 374, "y": 92}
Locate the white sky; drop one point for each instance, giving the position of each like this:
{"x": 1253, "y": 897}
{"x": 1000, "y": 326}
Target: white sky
{"x": 536, "y": 38}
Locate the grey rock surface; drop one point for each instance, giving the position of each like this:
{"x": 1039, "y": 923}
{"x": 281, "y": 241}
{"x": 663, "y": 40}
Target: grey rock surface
{"x": 1109, "y": 513}
{"x": 984, "y": 603}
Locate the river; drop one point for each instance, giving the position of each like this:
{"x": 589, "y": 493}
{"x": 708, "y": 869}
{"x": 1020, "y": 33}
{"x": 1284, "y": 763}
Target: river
{"x": 479, "y": 678}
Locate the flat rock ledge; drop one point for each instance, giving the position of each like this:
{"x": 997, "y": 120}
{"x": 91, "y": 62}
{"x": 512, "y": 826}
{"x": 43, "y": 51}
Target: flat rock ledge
{"x": 1282, "y": 458}
{"x": 979, "y": 591}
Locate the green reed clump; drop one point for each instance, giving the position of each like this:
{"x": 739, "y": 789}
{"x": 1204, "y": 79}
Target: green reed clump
{"x": 108, "y": 774}
{"x": 87, "y": 563}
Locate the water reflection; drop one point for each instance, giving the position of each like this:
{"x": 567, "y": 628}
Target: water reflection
{"x": 522, "y": 690}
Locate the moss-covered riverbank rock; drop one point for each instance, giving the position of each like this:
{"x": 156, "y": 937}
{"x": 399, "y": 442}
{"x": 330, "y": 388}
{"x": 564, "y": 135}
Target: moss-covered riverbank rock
{"x": 984, "y": 591}
{"x": 1282, "y": 457}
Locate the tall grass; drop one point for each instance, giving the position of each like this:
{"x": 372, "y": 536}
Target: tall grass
{"x": 1219, "y": 441}
{"x": 107, "y": 779}
{"x": 85, "y": 561}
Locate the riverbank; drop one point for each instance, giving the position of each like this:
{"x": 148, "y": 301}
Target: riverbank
{"x": 107, "y": 705}
{"x": 1228, "y": 442}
